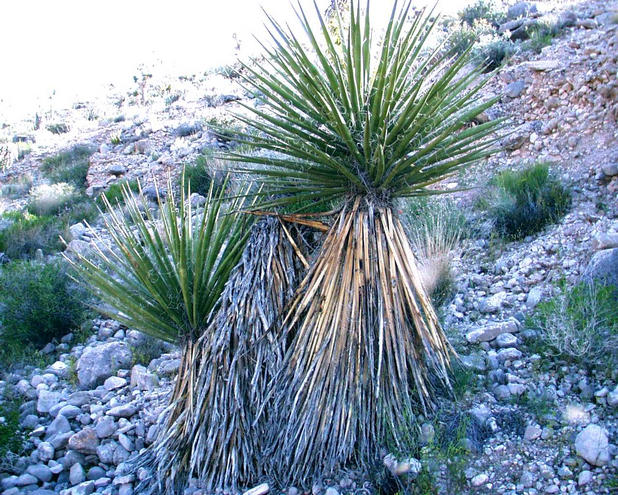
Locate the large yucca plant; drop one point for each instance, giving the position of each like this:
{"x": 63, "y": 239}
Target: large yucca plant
{"x": 164, "y": 275}
{"x": 345, "y": 124}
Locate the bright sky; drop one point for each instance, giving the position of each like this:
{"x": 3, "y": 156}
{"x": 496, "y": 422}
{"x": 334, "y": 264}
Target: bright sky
{"x": 73, "y": 47}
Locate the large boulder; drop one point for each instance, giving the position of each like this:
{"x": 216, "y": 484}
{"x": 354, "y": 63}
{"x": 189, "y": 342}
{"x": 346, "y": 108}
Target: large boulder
{"x": 142, "y": 379}
{"x": 603, "y": 267}
{"x": 521, "y": 9}
{"x": 592, "y": 444}
{"x": 47, "y": 400}
{"x": 84, "y": 441}
{"x": 100, "y": 362}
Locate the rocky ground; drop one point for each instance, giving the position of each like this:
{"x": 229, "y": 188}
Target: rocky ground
{"x": 544, "y": 426}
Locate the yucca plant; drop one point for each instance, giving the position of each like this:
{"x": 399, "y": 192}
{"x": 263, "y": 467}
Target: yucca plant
{"x": 242, "y": 352}
{"x": 236, "y": 358}
{"x": 164, "y": 275}
{"x": 341, "y": 126}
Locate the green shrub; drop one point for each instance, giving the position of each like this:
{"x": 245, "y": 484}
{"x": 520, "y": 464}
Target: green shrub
{"x": 541, "y": 35}
{"x": 225, "y": 130}
{"x": 5, "y": 158}
{"x": 494, "y": 53}
{"x": 478, "y": 24}
{"x": 75, "y": 175}
{"x": 49, "y": 199}
{"x": 12, "y": 436}
{"x": 523, "y": 202}
{"x": 23, "y": 150}
{"x": 460, "y": 40}
{"x": 482, "y": 10}
{"x": 83, "y": 209}
{"x": 39, "y": 303}
{"x": 69, "y": 166}
{"x": 230, "y": 71}
{"x": 114, "y": 192}
{"x": 580, "y": 324}
{"x": 173, "y": 98}
{"x": 58, "y": 128}
{"x": 27, "y": 233}
{"x": 16, "y": 187}
{"x": 199, "y": 176}
{"x": 147, "y": 348}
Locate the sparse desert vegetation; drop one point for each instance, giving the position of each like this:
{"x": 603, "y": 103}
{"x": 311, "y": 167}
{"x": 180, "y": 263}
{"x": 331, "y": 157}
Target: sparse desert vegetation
{"x": 523, "y": 202}
{"x": 353, "y": 264}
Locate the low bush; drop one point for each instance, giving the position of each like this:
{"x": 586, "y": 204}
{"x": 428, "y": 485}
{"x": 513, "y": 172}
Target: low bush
{"x": 23, "y": 150}
{"x": 23, "y": 232}
{"x": 477, "y": 26}
{"x": 523, "y": 202}
{"x": 83, "y": 209}
{"x": 12, "y": 436}
{"x": 230, "y": 71}
{"x": 39, "y": 303}
{"x": 580, "y": 324}
{"x": 482, "y": 10}
{"x": 172, "y": 98}
{"x": 5, "y": 157}
{"x": 16, "y": 187}
{"x": 50, "y": 199}
{"x": 494, "y": 53}
{"x": 460, "y": 40}
{"x": 541, "y": 35}
{"x": 58, "y": 128}
{"x": 199, "y": 175}
{"x": 225, "y": 130}
{"x": 26, "y": 233}
{"x": 114, "y": 192}
{"x": 69, "y": 166}
{"x": 145, "y": 348}
{"x": 435, "y": 230}
{"x": 75, "y": 175}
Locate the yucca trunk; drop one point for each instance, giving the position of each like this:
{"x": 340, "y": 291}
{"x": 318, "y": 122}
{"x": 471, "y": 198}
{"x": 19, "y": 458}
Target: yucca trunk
{"x": 168, "y": 457}
{"x": 366, "y": 347}
{"x": 216, "y": 432}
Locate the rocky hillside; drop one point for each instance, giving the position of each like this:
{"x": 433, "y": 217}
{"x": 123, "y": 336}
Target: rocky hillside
{"x": 528, "y": 419}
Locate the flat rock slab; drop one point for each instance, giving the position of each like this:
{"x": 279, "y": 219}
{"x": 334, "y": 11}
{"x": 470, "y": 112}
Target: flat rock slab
{"x": 123, "y": 411}
{"x": 85, "y": 441}
{"x": 543, "y": 65}
{"x": 489, "y": 332}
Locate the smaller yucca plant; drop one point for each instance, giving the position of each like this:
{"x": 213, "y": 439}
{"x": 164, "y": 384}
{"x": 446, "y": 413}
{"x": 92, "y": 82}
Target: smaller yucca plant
{"x": 164, "y": 272}
{"x": 164, "y": 275}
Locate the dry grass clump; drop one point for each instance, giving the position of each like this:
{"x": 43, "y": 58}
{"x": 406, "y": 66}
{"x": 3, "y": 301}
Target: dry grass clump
{"x": 580, "y": 324}
{"x": 435, "y": 231}
{"x": 49, "y": 199}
